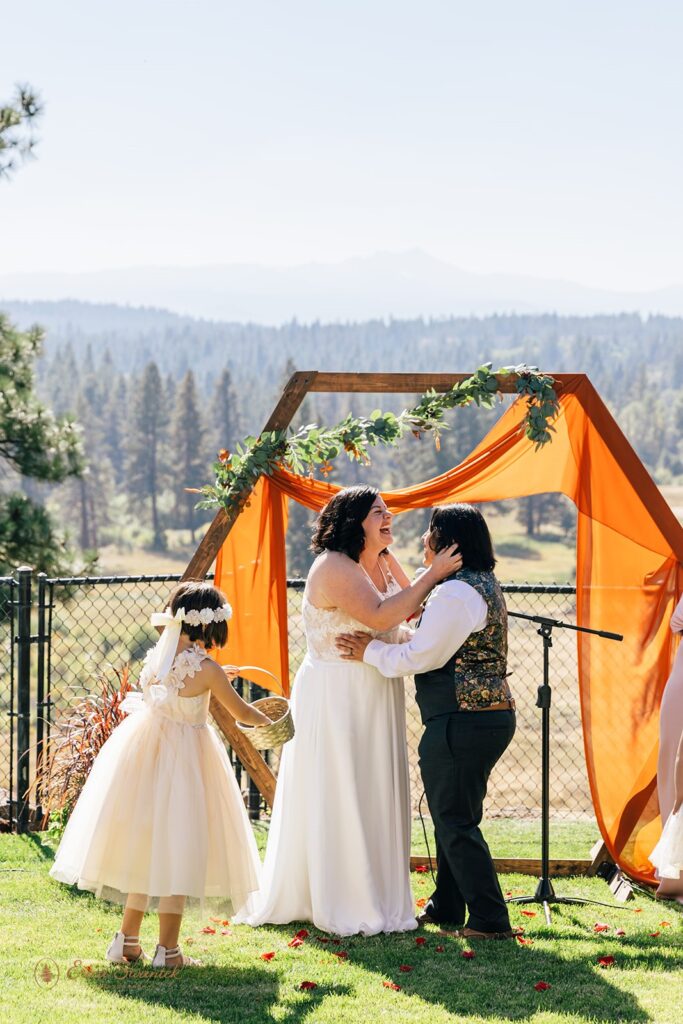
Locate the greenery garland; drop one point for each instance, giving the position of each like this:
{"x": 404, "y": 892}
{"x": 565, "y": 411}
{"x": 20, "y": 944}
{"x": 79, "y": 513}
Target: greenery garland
{"x": 312, "y": 446}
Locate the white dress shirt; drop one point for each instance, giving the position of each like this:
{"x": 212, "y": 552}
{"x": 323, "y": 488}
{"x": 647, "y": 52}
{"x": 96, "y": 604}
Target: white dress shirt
{"x": 453, "y": 611}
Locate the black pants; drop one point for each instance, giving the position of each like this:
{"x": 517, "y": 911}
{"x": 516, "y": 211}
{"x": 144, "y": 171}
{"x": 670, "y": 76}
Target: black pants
{"x": 457, "y": 753}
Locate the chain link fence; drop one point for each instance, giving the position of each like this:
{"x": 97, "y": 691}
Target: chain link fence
{"x": 95, "y": 626}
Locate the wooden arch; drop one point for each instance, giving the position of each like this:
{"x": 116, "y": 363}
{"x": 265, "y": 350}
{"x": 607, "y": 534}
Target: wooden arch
{"x": 298, "y": 386}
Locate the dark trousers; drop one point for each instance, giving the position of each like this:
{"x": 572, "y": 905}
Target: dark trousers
{"x": 457, "y": 753}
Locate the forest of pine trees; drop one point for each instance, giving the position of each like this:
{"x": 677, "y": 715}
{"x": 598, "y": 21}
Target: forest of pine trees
{"x": 158, "y": 395}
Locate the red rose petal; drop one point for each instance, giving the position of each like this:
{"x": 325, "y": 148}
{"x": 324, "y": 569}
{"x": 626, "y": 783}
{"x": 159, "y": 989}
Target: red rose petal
{"x": 422, "y": 869}
{"x": 392, "y": 985}
{"x": 637, "y": 910}
{"x": 606, "y": 961}
{"x": 653, "y": 935}
{"x": 295, "y": 943}
{"x": 467, "y": 954}
{"x": 541, "y": 986}
{"x": 524, "y": 941}
{"x": 405, "y": 968}
{"x": 620, "y": 932}
{"x": 307, "y": 985}
{"x": 664, "y": 924}
{"x": 342, "y": 955}
{"x": 336, "y": 942}
{"x": 420, "y": 941}
{"x": 322, "y": 938}
{"x": 302, "y": 934}
{"x": 209, "y": 931}
{"x": 440, "y": 949}
{"x": 422, "y": 902}
{"x": 600, "y": 926}
{"x": 529, "y": 913}
{"x": 267, "y": 956}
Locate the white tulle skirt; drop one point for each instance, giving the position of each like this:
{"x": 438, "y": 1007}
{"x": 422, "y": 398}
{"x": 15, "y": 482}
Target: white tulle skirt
{"x": 161, "y": 817}
{"x": 667, "y": 855}
{"x": 338, "y": 851}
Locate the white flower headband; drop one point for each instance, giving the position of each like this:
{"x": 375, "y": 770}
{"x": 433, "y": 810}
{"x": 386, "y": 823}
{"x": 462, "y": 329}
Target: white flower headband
{"x": 167, "y": 644}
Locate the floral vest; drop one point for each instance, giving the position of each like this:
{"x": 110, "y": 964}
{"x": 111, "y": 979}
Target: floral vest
{"x": 475, "y": 676}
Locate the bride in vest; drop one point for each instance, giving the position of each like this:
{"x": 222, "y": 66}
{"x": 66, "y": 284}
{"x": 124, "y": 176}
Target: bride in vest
{"x": 338, "y": 851}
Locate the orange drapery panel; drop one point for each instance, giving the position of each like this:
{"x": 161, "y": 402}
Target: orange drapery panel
{"x": 629, "y": 578}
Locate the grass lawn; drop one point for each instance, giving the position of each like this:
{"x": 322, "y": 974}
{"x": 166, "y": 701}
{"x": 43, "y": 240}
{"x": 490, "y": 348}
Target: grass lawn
{"x": 43, "y": 919}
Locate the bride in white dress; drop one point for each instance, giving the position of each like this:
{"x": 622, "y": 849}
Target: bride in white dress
{"x": 338, "y": 851}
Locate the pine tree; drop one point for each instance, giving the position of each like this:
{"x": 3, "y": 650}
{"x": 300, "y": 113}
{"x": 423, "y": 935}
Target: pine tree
{"x": 187, "y": 465}
{"x": 33, "y": 444}
{"x": 145, "y": 467}
{"x": 225, "y": 430}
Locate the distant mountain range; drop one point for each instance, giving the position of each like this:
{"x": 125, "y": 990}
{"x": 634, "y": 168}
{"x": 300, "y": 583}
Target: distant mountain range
{"x": 386, "y": 285}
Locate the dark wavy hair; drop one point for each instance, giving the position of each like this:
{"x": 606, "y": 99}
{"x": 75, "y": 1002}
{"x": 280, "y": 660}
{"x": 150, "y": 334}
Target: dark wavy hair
{"x": 339, "y": 525}
{"x": 193, "y": 595}
{"x": 465, "y": 526}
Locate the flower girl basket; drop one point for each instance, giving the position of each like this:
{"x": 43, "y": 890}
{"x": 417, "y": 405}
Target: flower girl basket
{"x": 281, "y": 728}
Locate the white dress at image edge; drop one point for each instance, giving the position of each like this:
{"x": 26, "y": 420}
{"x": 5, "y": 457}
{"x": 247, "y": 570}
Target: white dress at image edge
{"x": 338, "y": 851}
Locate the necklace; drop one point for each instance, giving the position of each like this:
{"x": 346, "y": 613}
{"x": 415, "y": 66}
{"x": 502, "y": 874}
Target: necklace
{"x": 386, "y": 581}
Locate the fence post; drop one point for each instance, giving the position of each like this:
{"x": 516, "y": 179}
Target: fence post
{"x": 41, "y": 703}
{"x": 23, "y": 642}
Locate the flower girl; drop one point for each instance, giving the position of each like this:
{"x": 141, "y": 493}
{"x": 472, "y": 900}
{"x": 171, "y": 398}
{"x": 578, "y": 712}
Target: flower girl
{"x": 160, "y": 822}
{"x": 667, "y": 855}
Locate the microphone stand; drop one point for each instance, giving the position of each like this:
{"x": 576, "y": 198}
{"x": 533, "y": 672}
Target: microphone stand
{"x": 545, "y": 893}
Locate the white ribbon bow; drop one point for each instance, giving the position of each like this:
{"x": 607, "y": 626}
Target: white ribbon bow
{"x": 158, "y": 663}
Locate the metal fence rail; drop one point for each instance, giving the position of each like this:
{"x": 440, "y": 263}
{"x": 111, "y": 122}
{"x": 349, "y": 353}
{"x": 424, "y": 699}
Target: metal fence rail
{"x": 88, "y": 627}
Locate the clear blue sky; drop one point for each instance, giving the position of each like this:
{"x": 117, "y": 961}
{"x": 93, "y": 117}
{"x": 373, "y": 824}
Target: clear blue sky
{"x": 536, "y": 137}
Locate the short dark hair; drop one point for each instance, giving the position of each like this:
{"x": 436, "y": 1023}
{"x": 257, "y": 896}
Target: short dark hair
{"x": 339, "y": 525}
{"x": 465, "y": 526}
{"x": 193, "y": 595}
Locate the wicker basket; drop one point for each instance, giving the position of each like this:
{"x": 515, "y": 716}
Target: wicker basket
{"x": 281, "y": 729}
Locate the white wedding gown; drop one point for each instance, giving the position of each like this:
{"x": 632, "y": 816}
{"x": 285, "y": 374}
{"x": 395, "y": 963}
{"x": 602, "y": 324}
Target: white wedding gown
{"x": 338, "y": 851}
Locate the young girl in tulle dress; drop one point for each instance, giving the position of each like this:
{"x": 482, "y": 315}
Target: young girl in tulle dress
{"x": 667, "y": 855}
{"x": 160, "y": 822}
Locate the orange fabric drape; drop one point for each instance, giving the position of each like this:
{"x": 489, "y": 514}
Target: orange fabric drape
{"x": 629, "y": 578}
{"x": 250, "y": 570}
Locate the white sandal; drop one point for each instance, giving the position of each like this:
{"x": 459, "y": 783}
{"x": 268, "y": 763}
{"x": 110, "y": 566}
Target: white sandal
{"x": 162, "y": 952}
{"x": 116, "y": 948}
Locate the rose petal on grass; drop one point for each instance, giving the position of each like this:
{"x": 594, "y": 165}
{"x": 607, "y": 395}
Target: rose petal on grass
{"x": 302, "y": 934}
{"x": 422, "y": 902}
{"x": 342, "y": 955}
{"x": 218, "y": 920}
{"x": 529, "y": 913}
{"x": 295, "y": 943}
{"x": 653, "y": 935}
{"x": 665, "y": 924}
{"x": 405, "y": 968}
{"x": 600, "y": 926}
{"x": 422, "y": 869}
{"x": 209, "y": 930}
{"x": 620, "y": 932}
{"x": 267, "y": 956}
{"x": 467, "y": 954}
{"x": 336, "y": 942}
{"x": 392, "y": 985}
{"x": 541, "y": 986}
{"x": 637, "y": 910}
{"x": 226, "y": 931}
{"x": 420, "y": 941}
{"x": 524, "y": 941}
{"x": 322, "y": 938}
{"x": 606, "y": 961}
{"x": 440, "y": 949}
{"x": 306, "y": 986}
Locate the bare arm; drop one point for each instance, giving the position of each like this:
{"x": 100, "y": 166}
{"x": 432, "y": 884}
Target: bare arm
{"x": 222, "y": 689}
{"x": 342, "y": 584}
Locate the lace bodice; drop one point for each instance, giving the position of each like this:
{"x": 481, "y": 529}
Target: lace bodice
{"x": 165, "y": 698}
{"x": 322, "y": 626}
